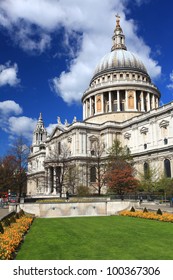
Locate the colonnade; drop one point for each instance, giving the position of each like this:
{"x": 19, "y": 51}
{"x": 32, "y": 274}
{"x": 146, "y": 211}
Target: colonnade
{"x": 52, "y": 174}
{"x": 119, "y": 101}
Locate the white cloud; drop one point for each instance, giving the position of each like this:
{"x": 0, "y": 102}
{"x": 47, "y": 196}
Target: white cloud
{"x": 8, "y": 74}
{"x": 24, "y": 37}
{"x": 96, "y": 42}
{"x": 21, "y": 126}
{"x": 91, "y": 23}
{"x": 170, "y": 86}
{"x": 9, "y": 107}
{"x": 13, "y": 124}
{"x": 50, "y": 128}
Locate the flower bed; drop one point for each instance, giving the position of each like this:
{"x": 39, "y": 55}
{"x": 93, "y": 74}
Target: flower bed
{"x": 165, "y": 217}
{"x": 12, "y": 236}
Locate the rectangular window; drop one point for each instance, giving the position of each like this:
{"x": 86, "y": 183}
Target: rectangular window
{"x": 93, "y": 174}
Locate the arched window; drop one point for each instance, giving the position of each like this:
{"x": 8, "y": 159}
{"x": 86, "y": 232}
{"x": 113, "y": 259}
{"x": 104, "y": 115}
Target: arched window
{"x": 167, "y": 168}
{"x": 93, "y": 174}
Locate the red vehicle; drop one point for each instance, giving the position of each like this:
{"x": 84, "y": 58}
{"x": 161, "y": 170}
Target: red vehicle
{"x": 4, "y": 196}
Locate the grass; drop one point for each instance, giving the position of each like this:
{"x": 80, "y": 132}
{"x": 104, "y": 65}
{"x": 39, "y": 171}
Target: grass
{"x": 98, "y": 238}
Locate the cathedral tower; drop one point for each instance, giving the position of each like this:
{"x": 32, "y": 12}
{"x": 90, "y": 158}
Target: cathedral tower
{"x": 39, "y": 136}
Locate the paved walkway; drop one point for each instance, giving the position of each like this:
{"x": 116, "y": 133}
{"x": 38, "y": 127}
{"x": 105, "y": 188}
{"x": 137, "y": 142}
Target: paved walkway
{"x": 3, "y": 212}
{"x": 155, "y": 206}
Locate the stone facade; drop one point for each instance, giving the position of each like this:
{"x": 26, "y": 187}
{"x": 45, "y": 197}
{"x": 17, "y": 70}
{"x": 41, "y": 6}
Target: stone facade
{"x": 121, "y": 103}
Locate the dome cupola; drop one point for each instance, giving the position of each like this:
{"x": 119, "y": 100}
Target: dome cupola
{"x": 120, "y": 87}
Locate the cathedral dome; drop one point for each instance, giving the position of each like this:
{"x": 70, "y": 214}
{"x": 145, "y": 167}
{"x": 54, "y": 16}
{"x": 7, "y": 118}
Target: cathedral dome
{"x": 120, "y": 88}
{"x": 119, "y": 60}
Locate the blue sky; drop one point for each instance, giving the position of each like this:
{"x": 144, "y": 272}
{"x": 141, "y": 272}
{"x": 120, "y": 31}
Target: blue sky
{"x": 49, "y": 50}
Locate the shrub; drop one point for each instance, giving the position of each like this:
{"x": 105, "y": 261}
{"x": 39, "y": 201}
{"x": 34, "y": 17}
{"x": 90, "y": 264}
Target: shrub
{"x": 12, "y": 220}
{"x": 21, "y": 213}
{"x": 132, "y": 209}
{"x": 82, "y": 191}
{"x": 159, "y": 212}
{"x": 6, "y": 222}
{"x": 16, "y": 216}
{"x": 145, "y": 210}
{"x": 1, "y": 228}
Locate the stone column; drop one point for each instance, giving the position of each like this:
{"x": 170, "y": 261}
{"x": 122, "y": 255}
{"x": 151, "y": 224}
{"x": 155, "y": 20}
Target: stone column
{"x": 95, "y": 105}
{"x": 126, "y": 101}
{"x": 46, "y": 181}
{"x": 49, "y": 180}
{"x": 102, "y": 100}
{"x": 84, "y": 115}
{"x": 135, "y": 103}
{"x": 153, "y": 101}
{"x": 54, "y": 180}
{"x": 118, "y": 100}
{"x": 90, "y": 100}
{"x": 86, "y": 109}
{"x": 110, "y": 101}
{"x": 148, "y": 99}
{"x": 142, "y": 101}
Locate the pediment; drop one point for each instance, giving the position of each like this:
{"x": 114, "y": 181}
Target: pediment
{"x": 144, "y": 130}
{"x": 164, "y": 123}
{"x": 127, "y": 135}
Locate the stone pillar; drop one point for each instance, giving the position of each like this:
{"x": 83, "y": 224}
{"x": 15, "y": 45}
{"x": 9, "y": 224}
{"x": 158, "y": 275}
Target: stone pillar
{"x": 46, "y": 181}
{"x": 49, "y": 180}
{"x": 126, "y": 101}
{"x": 135, "y": 103}
{"x": 95, "y": 105}
{"x": 110, "y": 101}
{"x": 102, "y": 100}
{"x": 86, "y": 108}
{"x": 90, "y": 100}
{"x": 84, "y": 115}
{"x": 85, "y": 143}
{"x": 142, "y": 101}
{"x": 148, "y": 99}
{"x": 118, "y": 101}
{"x": 153, "y": 101}
{"x": 54, "y": 180}
{"x": 157, "y": 102}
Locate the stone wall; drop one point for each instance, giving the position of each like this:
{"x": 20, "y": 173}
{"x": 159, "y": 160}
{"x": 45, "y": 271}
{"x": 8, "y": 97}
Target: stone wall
{"x": 69, "y": 209}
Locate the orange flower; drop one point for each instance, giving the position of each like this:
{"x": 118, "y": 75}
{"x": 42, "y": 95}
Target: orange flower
{"x": 12, "y": 236}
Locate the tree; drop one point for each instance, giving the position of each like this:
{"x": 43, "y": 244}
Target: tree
{"x": 71, "y": 177}
{"x": 148, "y": 179}
{"x": 20, "y": 153}
{"x": 120, "y": 178}
{"x": 97, "y": 164}
{"x": 120, "y": 173}
{"x": 118, "y": 152}
{"x": 165, "y": 185}
{"x": 7, "y": 173}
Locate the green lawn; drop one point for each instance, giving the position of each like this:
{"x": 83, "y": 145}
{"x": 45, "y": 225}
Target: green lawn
{"x": 97, "y": 238}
